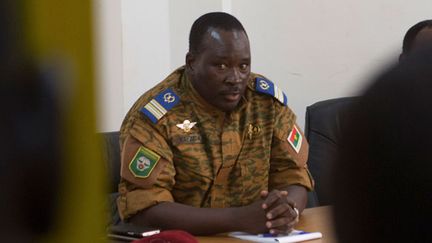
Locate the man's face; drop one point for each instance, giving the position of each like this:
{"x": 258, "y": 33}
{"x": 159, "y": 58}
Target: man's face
{"x": 221, "y": 68}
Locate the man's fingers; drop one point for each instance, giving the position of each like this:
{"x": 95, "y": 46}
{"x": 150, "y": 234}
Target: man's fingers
{"x": 278, "y": 223}
{"x": 273, "y": 197}
{"x": 281, "y": 231}
{"x": 278, "y": 211}
{"x": 281, "y": 226}
{"x": 290, "y": 202}
{"x": 282, "y": 217}
{"x": 264, "y": 194}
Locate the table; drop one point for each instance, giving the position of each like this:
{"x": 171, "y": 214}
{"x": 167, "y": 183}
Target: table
{"x": 312, "y": 219}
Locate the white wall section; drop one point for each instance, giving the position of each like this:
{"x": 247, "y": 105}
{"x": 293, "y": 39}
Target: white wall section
{"x": 312, "y": 49}
{"x": 109, "y": 67}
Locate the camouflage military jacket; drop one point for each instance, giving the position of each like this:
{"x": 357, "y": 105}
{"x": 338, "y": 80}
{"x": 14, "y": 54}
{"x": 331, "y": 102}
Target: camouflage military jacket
{"x": 176, "y": 147}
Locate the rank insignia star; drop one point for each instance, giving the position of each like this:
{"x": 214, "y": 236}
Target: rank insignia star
{"x": 186, "y": 125}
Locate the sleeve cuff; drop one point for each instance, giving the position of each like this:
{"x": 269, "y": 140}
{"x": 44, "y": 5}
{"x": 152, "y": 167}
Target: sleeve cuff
{"x": 291, "y": 176}
{"x": 130, "y": 203}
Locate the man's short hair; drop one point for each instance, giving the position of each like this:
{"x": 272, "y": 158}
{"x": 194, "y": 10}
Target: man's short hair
{"x": 217, "y": 20}
{"x": 412, "y": 33}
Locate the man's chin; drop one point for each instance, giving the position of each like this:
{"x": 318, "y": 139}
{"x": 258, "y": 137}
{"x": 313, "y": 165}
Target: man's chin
{"x": 228, "y": 107}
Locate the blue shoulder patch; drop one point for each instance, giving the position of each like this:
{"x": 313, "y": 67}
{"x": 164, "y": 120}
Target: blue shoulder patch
{"x": 265, "y": 86}
{"x": 160, "y": 105}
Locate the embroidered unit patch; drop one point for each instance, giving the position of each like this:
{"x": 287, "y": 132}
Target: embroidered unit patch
{"x": 143, "y": 162}
{"x": 295, "y": 139}
{"x": 267, "y": 87}
{"x": 160, "y": 105}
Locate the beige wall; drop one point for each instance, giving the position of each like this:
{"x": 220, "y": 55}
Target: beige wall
{"x": 312, "y": 49}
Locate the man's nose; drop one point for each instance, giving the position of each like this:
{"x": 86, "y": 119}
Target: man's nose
{"x": 234, "y": 76}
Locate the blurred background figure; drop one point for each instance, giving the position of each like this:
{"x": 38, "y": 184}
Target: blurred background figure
{"x": 383, "y": 179}
{"x": 416, "y": 36}
{"x": 52, "y": 184}
{"x": 29, "y": 141}
{"x": 29, "y": 153}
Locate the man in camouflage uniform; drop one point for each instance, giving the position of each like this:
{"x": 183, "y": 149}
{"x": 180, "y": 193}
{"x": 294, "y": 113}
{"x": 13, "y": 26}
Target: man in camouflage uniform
{"x": 214, "y": 148}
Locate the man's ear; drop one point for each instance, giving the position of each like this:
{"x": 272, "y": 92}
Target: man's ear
{"x": 190, "y": 59}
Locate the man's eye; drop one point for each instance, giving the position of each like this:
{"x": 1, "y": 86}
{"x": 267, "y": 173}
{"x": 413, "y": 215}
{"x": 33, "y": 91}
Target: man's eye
{"x": 244, "y": 66}
{"x": 222, "y": 66}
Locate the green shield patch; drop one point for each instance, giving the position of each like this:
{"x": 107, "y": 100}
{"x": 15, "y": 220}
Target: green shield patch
{"x": 143, "y": 162}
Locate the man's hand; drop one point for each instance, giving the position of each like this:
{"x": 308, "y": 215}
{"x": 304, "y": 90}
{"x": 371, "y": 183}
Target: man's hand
{"x": 252, "y": 218}
{"x": 280, "y": 213}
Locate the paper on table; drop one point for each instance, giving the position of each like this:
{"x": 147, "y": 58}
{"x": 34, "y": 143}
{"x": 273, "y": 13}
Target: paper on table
{"x": 294, "y": 236}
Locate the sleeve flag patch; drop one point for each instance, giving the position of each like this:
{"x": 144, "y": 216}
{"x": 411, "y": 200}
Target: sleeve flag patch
{"x": 295, "y": 139}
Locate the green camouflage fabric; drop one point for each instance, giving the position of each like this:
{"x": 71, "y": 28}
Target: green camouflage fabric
{"x": 225, "y": 160}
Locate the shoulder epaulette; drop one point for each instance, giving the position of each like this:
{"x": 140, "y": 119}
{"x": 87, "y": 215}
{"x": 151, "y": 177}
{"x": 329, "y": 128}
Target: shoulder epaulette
{"x": 265, "y": 86}
{"x": 160, "y": 105}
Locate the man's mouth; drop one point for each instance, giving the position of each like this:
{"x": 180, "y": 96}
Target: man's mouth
{"x": 231, "y": 97}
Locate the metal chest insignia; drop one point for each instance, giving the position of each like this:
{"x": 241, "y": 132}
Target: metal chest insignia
{"x": 186, "y": 125}
{"x": 253, "y": 131}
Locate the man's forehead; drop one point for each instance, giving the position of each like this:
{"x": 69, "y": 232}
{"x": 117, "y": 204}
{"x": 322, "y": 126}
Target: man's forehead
{"x": 218, "y": 35}
{"x": 220, "y": 41}
{"x": 214, "y": 34}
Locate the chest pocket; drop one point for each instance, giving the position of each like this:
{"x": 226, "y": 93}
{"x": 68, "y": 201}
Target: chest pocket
{"x": 189, "y": 154}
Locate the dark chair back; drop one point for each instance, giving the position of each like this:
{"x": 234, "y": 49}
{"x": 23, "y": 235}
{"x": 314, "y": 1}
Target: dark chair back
{"x": 111, "y": 154}
{"x": 323, "y": 132}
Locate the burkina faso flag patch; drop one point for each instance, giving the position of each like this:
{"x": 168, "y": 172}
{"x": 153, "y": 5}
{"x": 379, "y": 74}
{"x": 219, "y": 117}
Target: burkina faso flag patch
{"x": 295, "y": 138}
{"x": 143, "y": 162}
